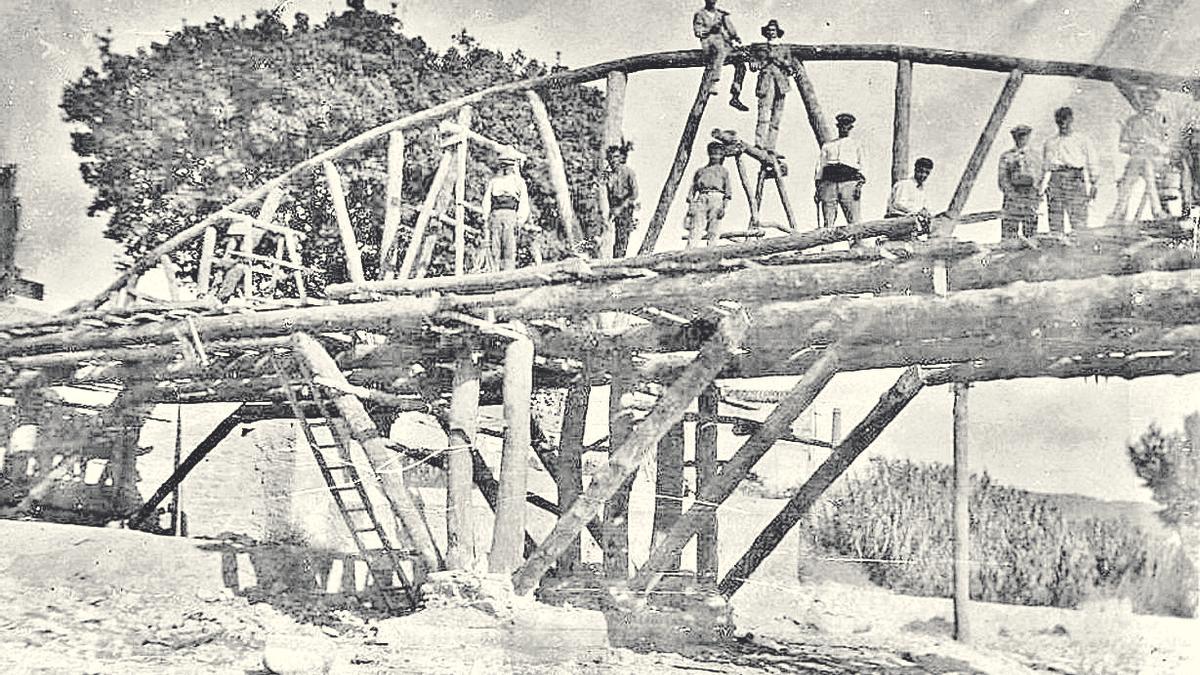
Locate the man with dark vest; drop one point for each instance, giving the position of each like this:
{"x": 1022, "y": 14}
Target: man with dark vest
{"x": 839, "y": 175}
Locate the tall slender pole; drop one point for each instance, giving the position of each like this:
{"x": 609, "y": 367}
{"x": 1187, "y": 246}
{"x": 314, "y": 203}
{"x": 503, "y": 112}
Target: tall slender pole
{"x": 508, "y": 535}
{"x": 614, "y": 134}
{"x": 345, "y": 228}
{"x": 668, "y": 486}
{"x": 962, "y": 517}
{"x": 558, "y": 171}
{"x": 418, "y": 233}
{"x": 816, "y": 117}
{"x": 570, "y": 458}
{"x": 460, "y": 194}
{"x": 464, "y": 409}
{"x": 901, "y": 121}
{"x": 392, "y": 208}
{"x": 616, "y": 510}
{"x": 707, "y": 557}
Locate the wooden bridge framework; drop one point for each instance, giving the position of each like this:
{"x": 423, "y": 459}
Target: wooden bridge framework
{"x": 1113, "y": 302}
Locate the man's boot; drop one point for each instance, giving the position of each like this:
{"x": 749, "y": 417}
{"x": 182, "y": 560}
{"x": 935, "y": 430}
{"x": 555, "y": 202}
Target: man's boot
{"x": 736, "y": 102}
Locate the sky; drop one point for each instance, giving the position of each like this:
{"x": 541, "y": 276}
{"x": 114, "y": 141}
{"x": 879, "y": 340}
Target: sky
{"x": 1047, "y": 435}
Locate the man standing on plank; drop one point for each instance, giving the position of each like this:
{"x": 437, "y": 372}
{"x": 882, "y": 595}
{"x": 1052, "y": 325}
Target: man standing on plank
{"x": 775, "y": 66}
{"x": 622, "y": 189}
{"x": 1018, "y": 177}
{"x": 710, "y": 193}
{"x": 1070, "y": 174}
{"x": 505, "y": 208}
{"x": 717, "y": 38}
{"x": 839, "y": 175}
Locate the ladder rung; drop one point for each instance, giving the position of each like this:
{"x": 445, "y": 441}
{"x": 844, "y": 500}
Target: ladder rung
{"x": 365, "y": 530}
{"x": 338, "y": 467}
{"x": 342, "y": 488}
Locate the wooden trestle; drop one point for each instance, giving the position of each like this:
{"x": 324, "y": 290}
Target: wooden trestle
{"x": 1112, "y": 302}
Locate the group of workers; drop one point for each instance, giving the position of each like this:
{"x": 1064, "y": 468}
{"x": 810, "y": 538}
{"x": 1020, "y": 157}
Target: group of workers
{"x": 1065, "y": 172}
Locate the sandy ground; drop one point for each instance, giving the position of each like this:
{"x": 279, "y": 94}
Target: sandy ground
{"x": 86, "y": 600}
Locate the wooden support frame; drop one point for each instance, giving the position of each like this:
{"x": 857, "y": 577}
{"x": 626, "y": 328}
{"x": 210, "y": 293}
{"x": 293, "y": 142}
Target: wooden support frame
{"x": 509, "y": 531}
{"x": 615, "y": 525}
{"x": 337, "y": 194}
{"x": 986, "y": 138}
{"x": 570, "y": 459}
{"x": 891, "y": 404}
{"x": 461, "y": 429}
{"x": 716, "y": 492}
{"x": 707, "y": 549}
{"x": 962, "y": 517}
{"x": 683, "y": 153}
{"x": 668, "y": 485}
{"x": 377, "y": 449}
{"x": 812, "y": 106}
{"x": 418, "y": 234}
{"x": 558, "y": 171}
{"x": 394, "y": 204}
{"x": 901, "y": 121}
{"x": 460, "y": 194}
{"x": 622, "y": 462}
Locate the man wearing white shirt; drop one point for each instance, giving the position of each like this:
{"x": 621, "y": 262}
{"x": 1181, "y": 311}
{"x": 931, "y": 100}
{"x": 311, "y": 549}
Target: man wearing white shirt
{"x": 839, "y": 175}
{"x": 1070, "y": 174}
{"x": 908, "y": 194}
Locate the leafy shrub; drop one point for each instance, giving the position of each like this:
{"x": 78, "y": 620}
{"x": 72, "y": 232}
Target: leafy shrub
{"x": 1024, "y": 549}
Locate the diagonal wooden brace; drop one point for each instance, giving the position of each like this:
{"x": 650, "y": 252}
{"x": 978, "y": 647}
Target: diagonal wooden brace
{"x": 889, "y": 406}
{"x": 626, "y": 458}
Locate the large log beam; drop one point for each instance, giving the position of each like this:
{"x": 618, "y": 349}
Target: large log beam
{"x": 624, "y": 459}
{"x": 716, "y": 491}
{"x": 893, "y": 401}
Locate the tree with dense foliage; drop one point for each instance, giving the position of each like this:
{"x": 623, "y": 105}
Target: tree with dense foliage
{"x": 1168, "y": 464}
{"x": 172, "y": 133}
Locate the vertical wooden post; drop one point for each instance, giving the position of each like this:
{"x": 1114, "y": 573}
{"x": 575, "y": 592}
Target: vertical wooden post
{"x": 345, "y": 228}
{"x": 962, "y": 517}
{"x": 292, "y": 242}
{"x": 901, "y": 121}
{"x": 460, "y": 194}
{"x": 177, "y": 527}
{"x": 816, "y": 117}
{"x": 683, "y": 153}
{"x": 418, "y": 233}
{"x": 783, "y": 199}
{"x": 668, "y": 486}
{"x": 169, "y": 273}
{"x": 986, "y": 137}
{"x": 508, "y": 535}
{"x": 392, "y": 208}
{"x": 707, "y": 558}
{"x": 464, "y": 409}
{"x": 835, "y": 431}
{"x": 558, "y": 171}
{"x": 614, "y": 134}
{"x": 616, "y": 510}
{"x": 570, "y": 458}
{"x": 207, "y": 249}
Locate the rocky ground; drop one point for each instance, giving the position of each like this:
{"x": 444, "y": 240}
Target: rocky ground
{"x": 87, "y": 600}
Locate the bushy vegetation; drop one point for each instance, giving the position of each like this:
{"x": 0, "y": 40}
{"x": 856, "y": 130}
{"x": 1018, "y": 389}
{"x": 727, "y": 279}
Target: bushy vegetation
{"x": 169, "y": 134}
{"x": 1025, "y": 549}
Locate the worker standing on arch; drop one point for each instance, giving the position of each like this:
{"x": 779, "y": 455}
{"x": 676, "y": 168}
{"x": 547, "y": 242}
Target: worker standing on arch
{"x": 717, "y": 38}
{"x": 1018, "y": 176}
{"x": 1070, "y": 174}
{"x": 774, "y": 64}
{"x": 505, "y": 208}
{"x": 839, "y": 175}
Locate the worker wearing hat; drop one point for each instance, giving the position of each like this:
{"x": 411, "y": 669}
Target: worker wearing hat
{"x": 774, "y": 64}
{"x": 710, "y": 193}
{"x": 1146, "y": 138}
{"x": 839, "y": 176}
{"x": 505, "y": 208}
{"x": 717, "y": 38}
{"x": 621, "y": 193}
{"x": 1018, "y": 177}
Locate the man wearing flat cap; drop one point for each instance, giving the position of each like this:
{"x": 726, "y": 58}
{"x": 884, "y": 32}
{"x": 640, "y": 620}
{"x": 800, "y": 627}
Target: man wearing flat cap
{"x": 1018, "y": 177}
{"x": 774, "y": 64}
{"x": 710, "y": 194}
{"x": 908, "y": 194}
{"x": 717, "y": 37}
{"x": 839, "y": 175}
{"x": 505, "y": 208}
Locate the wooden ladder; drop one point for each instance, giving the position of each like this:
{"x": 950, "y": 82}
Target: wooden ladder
{"x": 330, "y": 445}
